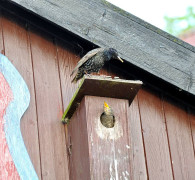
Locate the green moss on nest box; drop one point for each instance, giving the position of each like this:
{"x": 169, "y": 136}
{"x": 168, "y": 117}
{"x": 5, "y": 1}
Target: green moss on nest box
{"x": 104, "y": 87}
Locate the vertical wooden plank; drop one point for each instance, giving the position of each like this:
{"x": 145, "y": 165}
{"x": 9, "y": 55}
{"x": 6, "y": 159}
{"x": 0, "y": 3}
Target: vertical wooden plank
{"x": 109, "y": 148}
{"x": 137, "y": 157}
{"x": 1, "y": 34}
{"x": 155, "y": 136}
{"x": 78, "y": 145}
{"x": 180, "y": 138}
{"x": 17, "y": 49}
{"x": 67, "y": 62}
{"x": 49, "y": 102}
{"x": 192, "y": 121}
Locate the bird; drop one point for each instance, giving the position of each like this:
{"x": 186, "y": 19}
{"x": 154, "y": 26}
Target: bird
{"x": 93, "y": 61}
{"x": 107, "y": 118}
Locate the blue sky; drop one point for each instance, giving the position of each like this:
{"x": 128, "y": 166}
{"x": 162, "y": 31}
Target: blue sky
{"x": 153, "y": 11}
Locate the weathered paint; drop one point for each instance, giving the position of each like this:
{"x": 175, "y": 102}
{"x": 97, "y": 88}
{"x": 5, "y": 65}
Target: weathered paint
{"x": 7, "y": 167}
{"x": 12, "y": 117}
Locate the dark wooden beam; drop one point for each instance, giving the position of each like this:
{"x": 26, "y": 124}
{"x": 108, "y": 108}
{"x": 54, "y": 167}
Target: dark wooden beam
{"x": 138, "y": 42}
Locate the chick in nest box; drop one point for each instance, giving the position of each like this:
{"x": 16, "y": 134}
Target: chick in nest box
{"x": 107, "y": 118}
{"x": 93, "y": 61}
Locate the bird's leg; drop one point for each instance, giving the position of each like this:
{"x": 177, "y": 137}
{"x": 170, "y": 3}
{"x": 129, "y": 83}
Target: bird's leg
{"x": 87, "y": 73}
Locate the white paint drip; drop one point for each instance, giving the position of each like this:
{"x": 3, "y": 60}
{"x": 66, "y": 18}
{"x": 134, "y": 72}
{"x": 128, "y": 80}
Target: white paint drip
{"x": 127, "y": 146}
{"x": 113, "y": 165}
{"x": 91, "y": 137}
{"x": 110, "y": 168}
{"x": 112, "y": 134}
{"x": 124, "y": 175}
{"x": 116, "y": 169}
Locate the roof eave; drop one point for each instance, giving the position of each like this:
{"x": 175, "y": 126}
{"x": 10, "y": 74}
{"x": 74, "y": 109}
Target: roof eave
{"x": 138, "y": 42}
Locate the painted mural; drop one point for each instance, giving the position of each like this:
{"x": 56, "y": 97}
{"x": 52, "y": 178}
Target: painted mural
{"x": 15, "y": 162}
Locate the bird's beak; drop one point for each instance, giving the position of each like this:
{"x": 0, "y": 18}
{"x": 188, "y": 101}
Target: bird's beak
{"x": 120, "y": 59}
{"x": 106, "y": 105}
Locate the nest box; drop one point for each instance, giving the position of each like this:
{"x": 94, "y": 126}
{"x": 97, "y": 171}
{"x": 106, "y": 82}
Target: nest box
{"x": 97, "y": 152}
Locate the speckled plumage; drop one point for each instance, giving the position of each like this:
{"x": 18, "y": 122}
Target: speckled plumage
{"x": 93, "y": 61}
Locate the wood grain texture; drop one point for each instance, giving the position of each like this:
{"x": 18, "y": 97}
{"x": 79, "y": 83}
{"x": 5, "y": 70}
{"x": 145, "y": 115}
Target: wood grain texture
{"x": 192, "y": 121}
{"x": 137, "y": 156}
{"x": 138, "y": 42}
{"x": 54, "y": 162}
{"x": 155, "y": 136}
{"x": 67, "y": 62}
{"x": 98, "y": 152}
{"x": 180, "y": 139}
{"x": 17, "y": 49}
{"x": 49, "y": 106}
{"x": 78, "y": 145}
{"x": 109, "y": 148}
{"x": 138, "y": 167}
{"x": 1, "y": 35}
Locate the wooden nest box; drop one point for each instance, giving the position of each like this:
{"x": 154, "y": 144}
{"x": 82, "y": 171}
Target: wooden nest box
{"x": 97, "y": 152}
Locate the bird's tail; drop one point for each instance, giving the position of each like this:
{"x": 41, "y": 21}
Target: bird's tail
{"x": 74, "y": 80}
{"x": 78, "y": 76}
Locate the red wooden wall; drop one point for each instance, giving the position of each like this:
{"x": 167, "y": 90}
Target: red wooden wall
{"x": 162, "y": 130}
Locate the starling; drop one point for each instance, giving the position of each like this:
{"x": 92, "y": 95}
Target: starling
{"x": 107, "y": 118}
{"x": 93, "y": 61}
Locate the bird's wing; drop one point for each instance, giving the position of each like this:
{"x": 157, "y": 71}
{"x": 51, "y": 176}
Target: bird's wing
{"x": 86, "y": 57}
